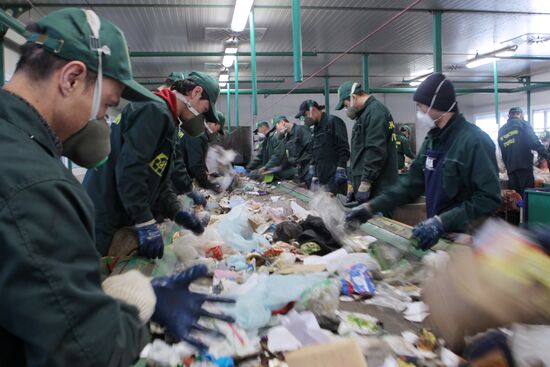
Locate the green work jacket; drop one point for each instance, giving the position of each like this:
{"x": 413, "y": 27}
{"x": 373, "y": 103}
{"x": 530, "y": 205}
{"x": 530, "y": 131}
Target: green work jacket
{"x": 373, "y": 152}
{"x": 330, "y": 148}
{"x": 296, "y": 152}
{"x": 403, "y": 149}
{"x": 137, "y": 173}
{"x": 270, "y": 154}
{"x": 470, "y": 175}
{"x": 53, "y": 311}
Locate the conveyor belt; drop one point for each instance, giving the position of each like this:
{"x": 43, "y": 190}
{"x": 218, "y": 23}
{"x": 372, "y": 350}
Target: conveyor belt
{"x": 384, "y": 229}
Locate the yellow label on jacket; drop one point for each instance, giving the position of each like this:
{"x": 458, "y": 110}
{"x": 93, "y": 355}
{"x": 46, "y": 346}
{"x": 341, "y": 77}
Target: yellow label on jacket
{"x": 180, "y": 133}
{"x": 117, "y": 119}
{"x": 158, "y": 165}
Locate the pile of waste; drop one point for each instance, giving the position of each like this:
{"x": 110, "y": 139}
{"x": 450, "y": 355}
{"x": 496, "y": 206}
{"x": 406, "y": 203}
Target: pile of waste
{"x": 302, "y": 284}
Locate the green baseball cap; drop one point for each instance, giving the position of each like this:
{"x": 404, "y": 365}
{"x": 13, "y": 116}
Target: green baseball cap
{"x": 176, "y": 76}
{"x": 260, "y": 124}
{"x": 221, "y": 121}
{"x": 67, "y": 33}
{"x": 278, "y": 118}
{"x": 344, "y": 92}
{"x": 211, "y": 87}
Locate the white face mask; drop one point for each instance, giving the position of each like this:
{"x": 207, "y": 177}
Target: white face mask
{"x": 351, "y": 110}
{"x": 95, "y": 25}
{"x": 261, "y": 136}
{"x": 184, "y": 99}
{"x": 424, "y": 119}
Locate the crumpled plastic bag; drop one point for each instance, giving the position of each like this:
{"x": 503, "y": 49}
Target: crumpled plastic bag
{"x": 322, "y": 299}
{"x": 187, "y": 242}
{"x": 333, "y": 217}
{"x": 237, "y": 232}
{"x": 264, "y": 293}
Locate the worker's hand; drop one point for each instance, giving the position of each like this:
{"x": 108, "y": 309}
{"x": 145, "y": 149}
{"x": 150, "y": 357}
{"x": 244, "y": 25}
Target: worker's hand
{"x": 340, "y": 176}
{"x": 363, "y": 192}
{"x": 357, "y": 216}
{"x": 178, "y": 309}
{"x": 309, "y": 175}
{"x": 209, "y": 185}
{"x": 255, "y": 174}
{"x": 426, "y": 234}
{"x": 198, "y": 198}
{"x": 150, "y": 240}
{"x": 314, "y": 186}
{"x": 190, "y": 221}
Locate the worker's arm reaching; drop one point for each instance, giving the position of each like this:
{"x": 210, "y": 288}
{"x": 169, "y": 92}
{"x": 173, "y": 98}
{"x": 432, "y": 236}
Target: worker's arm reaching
{"x": 73, "y": 322}
{"x": 183, "y": 183}
{"x": 341, "y": 143}
{"x": 480, "y": 172}
{"x": 137, "y": 156}
{"x": 376, "y": 137}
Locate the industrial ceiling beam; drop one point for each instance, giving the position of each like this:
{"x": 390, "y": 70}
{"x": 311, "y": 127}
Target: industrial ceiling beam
{"x": 366, "y": 73}
{"x": 214, "y": 54}
{"x": 55, "y": 4}
{"x": 254, "y": 106}
{"x": 321, "y": 90}
{"x": 248, "y": 81}
{"x": 297, "y": 41}
{"x": 437, "y": 48}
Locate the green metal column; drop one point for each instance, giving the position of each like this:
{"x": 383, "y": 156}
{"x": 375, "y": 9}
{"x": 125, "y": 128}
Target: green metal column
{"x": 327, "y": 96}
{"x": 297, "y": 40}
{"x": 438, "y": 60}
{"x": 237, "y": 90}
{"x": 2, "y": 67}
{"x": 366, "y": 72}
{"x": 253, "y": 66}
{"x": 228, "y": 117}
{"x": 495, "y": 84}
{"x": 529, "y": 114}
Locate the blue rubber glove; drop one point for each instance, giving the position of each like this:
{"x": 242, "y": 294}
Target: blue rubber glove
{"x": 363, "y": 192}
{"x": 309, "y": 175}
{"x": 314, "y": 186}
{"x": 357, "y": 216}
{"x": 426, "y": 234}
{"x": 190, "y": 221}
{"x": 178, "y": 309}
{"x": 150, "y": 241}
{"x": 340, "y": 176}
{"x": 198, "y": 198}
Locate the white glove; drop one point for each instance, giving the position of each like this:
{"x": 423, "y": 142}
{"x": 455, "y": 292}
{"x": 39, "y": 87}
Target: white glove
{"x": 135, "y": 289}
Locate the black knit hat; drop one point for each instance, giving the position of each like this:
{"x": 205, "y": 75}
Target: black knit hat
{"x": 445, "y": 95}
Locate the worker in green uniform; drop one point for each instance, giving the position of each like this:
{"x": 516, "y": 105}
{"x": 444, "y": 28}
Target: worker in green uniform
{"x": 296, "y": 150}
{"x": 139, "y": 168}
{"x": 171, "y": 79}
{"x": 517, "y": 140}
{"x": 403, "y": 146}
{"x": 456, "y": 168}
{"x": 270, "y": 153}
{"x": 329, "y": 147}
{"x": 54, "y": 311}
{"x": 373, "y": 152}
{"x": 191, "y": 152}
{"x": 260, "y": 133}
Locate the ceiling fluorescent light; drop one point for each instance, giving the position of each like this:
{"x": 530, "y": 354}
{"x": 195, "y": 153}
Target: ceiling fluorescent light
{"x": 479, "y": 61}
{"x": 222, "y": 85}
{"x": 228, "y": 60}
{"x": 506, "y": 53}
{"x": 224, "y": 78}
{"x": 415, "y": 84}
{"x": 424, "y": 72}
{"x": 240, "y": 14}
{"x": 229, "y": 56}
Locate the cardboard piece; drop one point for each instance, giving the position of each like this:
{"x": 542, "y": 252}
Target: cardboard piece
{"x": 298, "y": 268}
{"x": 341, "y": 353}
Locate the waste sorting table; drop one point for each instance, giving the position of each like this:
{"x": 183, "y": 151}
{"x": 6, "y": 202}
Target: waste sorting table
{"x": 387, "y": 232}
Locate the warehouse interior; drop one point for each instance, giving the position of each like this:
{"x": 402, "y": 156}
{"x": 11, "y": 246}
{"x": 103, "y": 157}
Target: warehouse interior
{"x": 278, "y": 53}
